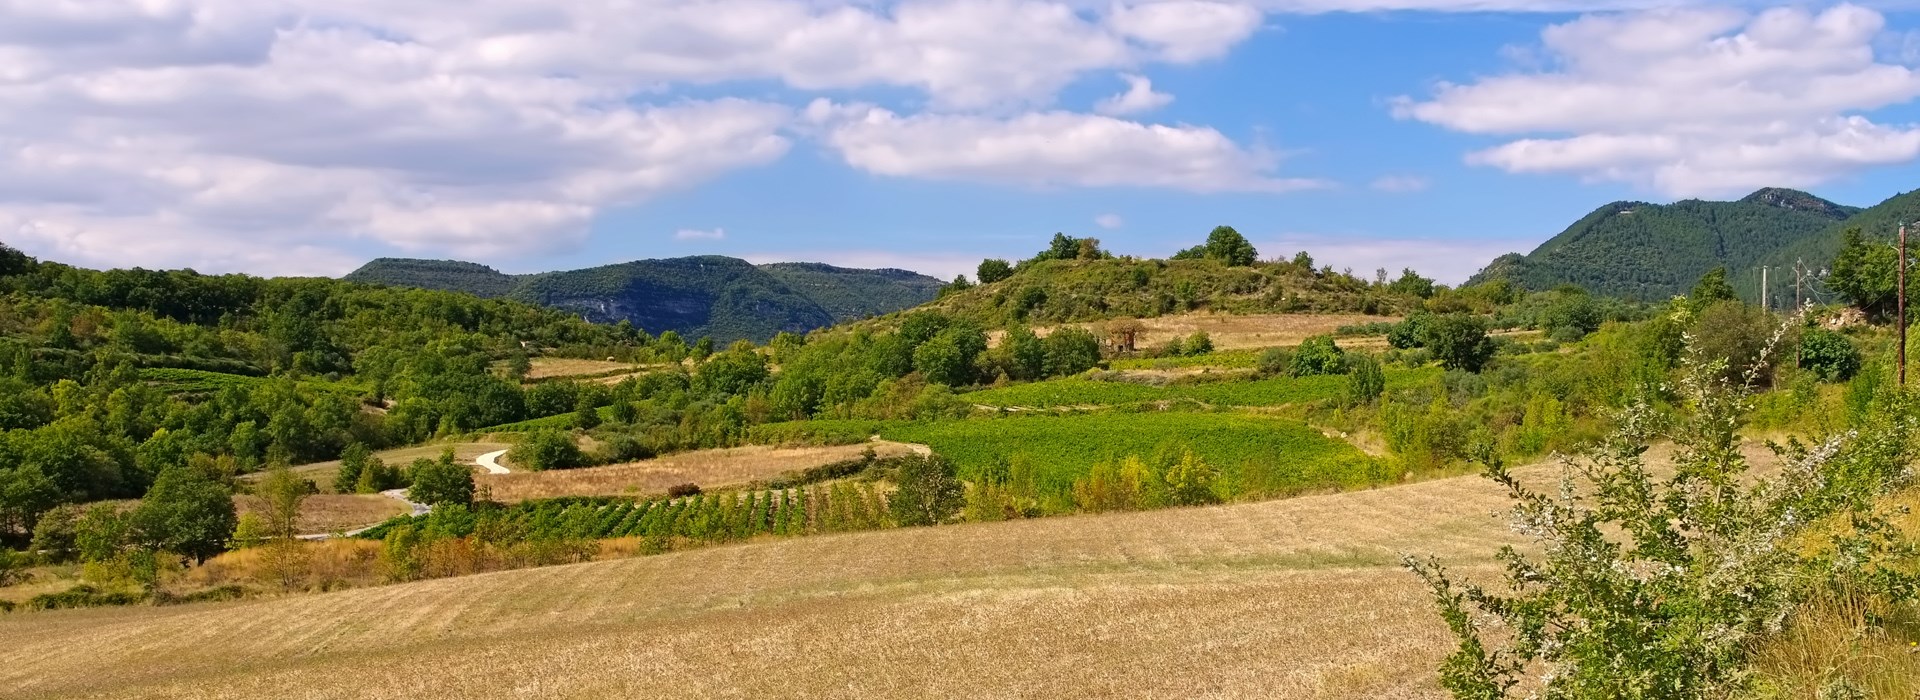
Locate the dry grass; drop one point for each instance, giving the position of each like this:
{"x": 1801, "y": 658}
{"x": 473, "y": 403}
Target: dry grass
{"x": 708, "y": 468}
{"x": 1299, "y": 598}
{"x": 547, "y": 367}
{"x": 321, "y": 473}
{"x": 1832, "y": 639}
{"x": 323, "y": 513}
{"x": 1233, "y": 332}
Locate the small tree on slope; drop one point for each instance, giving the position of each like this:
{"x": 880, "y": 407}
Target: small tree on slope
{"x": 1652, "y": 586}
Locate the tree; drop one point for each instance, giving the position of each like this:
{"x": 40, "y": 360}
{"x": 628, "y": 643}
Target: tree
{"x": 442, "y": 481}
{"x": 1190, "y": 481}
{"x": 352, "y": 462}
{"x": 25, "y": 493}
{"x": 949, "y": 358}
{"x": 1199, "y": 343}
{"x": 1365, "y": 381}
{"x": 1866, "y": 274}
{"x": 1318, "y": 355}
{"x": 1071, "y": 350}
{"x": 1829, "y": 355}
{"x": 959, "y": 284}
{"x": 1744, "y": 336}
{"x": 1571, "y": 315}
{"x": 1711, "y": 289}
{"x": 993, "y": 270}
{"x": 281, "y": 492}
{"x": 547, "y": 449}
{"x": 1025, "y": 352}
{"x": 1459, "y": 341}
{"x": 1228, "y": 246}
{"x": 13, "y": 262}
{"x": 586, "y": 416}
{"x": 929, "y": 491}
{"x": 186, "y": 512}
{"x": 519, "y": 365}
{"x": 1411, "y": 283}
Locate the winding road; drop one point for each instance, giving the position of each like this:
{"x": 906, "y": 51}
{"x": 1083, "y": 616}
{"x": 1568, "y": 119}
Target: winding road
{"x": 490, "y": 461}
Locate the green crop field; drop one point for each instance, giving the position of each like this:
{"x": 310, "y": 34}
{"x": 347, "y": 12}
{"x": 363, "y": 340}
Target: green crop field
{"x": 1258, "y": 455}
{"x": 1280, "y": 391}
{"x": 1228, "y": 359}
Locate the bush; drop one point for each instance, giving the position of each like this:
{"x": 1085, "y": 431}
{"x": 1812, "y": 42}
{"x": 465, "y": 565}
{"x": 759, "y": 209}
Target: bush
{"x": 1745, "y": 336}
{"x": 1317, "y": 355}
{"x": 548, "y": 449}
{"x": 1199, "y": 344}
{"x": 1459, "y": 341}
{"x": 683, "y": 491}
{"x": 1365, "y": 380}
{"x": 1275, "y": 362}
{"x": 1829, "y": 355}
{"x": 929, "y": 492}
{"x": 1663, "y": 586}
{"x": 441, "y": 482}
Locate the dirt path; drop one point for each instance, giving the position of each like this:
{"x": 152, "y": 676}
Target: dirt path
{"x": 490, "y": 461}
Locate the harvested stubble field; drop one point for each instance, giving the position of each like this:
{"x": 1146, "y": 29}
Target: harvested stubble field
{"x": 1298, "y": 598}
{"x": 323, "y": 513}
{"x": 708, "y": 468}
{"x": 549, "y": 367}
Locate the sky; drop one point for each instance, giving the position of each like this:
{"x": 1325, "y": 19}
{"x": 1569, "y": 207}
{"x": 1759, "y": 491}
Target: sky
{"x": 305, "y": 137}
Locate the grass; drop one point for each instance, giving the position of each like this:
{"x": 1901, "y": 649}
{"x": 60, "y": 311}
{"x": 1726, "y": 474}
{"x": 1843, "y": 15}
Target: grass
{"x": 1076, "y": 391}
{"x": 322, "y": 513}
{"x": 1300, "y": 598}
{"x": 321, "y": 473}
{"x": 1258, "y": 455}
{"x": 195, "y": 381}
{"x": 709, "y": 469}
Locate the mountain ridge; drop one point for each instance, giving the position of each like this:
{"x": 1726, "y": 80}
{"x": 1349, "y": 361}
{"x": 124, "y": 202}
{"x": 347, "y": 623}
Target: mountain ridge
{"x": 710, "y": 295}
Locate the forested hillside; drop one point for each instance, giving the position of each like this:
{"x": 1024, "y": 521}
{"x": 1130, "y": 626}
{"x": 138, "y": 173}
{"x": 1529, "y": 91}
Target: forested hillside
{"x": 1648, "y": 252}
{"x": 726, "y": 298}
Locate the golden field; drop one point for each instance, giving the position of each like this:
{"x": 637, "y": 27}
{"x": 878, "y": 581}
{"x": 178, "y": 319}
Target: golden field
{"x": 1299, "y": 598}
{"x": 710, "y": 469}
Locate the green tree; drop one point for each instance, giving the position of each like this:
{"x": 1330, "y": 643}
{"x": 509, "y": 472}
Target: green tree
{"x": 586, "y": 416}
{"x": 1228, "y": 246}
{"x": 993, "y": 270}
{"x": 1866, "y": 274}
{"x": 1571, "y": 315}
{"x": 1318, "y": 355}
{"x": 1026, "y": 354}
{"x": 1744, "y": 336}
{"x": 101, "y": 533}
{"x": 1459, "y": 341}
{"x": 1365, "y": 380}
{"x": 1411, "y": 283}
{"x": 1711, "y": 289}
{"x": 1071, "y": 350}
{"x": 1829, "y": 355}
{"x": 186, "y": 512}
{"x": 950, "y": 357}
{"x": 547, "y": 449}
{"x": 443, "y": 481}
{"x": 1198, "y": 344}
{"x": 352, "y": 462}
{"x": 281, "y": 493}
{"x": 929, "y": 491}
{"x": 25, "y": 493}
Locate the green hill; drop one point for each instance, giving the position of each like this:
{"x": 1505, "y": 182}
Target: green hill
{"x": 1879, "y": 222}
{"x": 723, "y": 297}
{"x": 1638, "y": 250}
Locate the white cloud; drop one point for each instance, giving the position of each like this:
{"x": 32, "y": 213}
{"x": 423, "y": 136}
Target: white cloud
{"x": 1048, "y": 149}
{"x": 1448, "y": 260}
{"x": 1109, "y": 221}
{"x": 694, "y": 234}
{"x": 1692, "y": 102}
{"x": 1401, "y": 183}
{"x": 266, "y": 134}
{"x": 1139, "y": 97}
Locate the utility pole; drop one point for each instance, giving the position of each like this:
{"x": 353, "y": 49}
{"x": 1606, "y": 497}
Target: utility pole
{"x": 1799, "y": 269}
{"x": 1901, "y": 303}
{"x": 1763, "y": 288}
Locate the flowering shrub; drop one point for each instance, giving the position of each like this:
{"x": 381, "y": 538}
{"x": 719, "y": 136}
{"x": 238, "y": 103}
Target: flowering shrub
{"x": 1654, "y": 585}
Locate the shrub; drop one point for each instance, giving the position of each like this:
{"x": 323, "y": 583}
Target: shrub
{"x": 548, "y": 449}
{"x": 1744, "y": 335}
{"x": 1365, "y": 380}
{"x": 1829, "y": 355}
{"x": 1317, "y": 355}
{"x": 1459, "y": 341}
{"x": 1199, "y": 343}
{"x": 186, "y": 512}
{"x": 1663, "y": 586}
{"x": 929, "y": 492}
{"x": 1275, "y": 362}
{"x": 683, "y": 490}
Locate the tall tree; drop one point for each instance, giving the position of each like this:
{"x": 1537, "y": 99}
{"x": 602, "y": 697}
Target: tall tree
{"x": 1227, "y": 245}
{"x": 186, "y": 512}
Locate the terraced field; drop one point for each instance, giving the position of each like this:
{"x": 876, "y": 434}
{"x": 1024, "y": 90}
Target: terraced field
{"x": 1297, "y": 598}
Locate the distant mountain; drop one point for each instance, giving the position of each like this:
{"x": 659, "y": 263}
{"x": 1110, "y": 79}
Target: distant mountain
{"x": 723, "y": 297}
{"x": 1638, "y": 250}
{"x": 1879, "y": 222}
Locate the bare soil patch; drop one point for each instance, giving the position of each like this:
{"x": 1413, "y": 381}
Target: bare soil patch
{"x": 708, "y": 468}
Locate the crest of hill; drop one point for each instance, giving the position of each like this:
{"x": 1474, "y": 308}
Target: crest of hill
{"x": 1644, "y": 251}
{"x": 726, "y": 298}
{"x": 1881, "y": 222}
{"x": 1071, "y": 291}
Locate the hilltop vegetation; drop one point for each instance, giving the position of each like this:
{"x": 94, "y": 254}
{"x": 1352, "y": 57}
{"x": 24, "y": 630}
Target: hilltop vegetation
{"x": 725, "y": 298}
{"x": 1649, "y": 252}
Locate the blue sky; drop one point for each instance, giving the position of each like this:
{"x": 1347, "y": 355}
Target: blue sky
{"x": 301, "y": 137}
